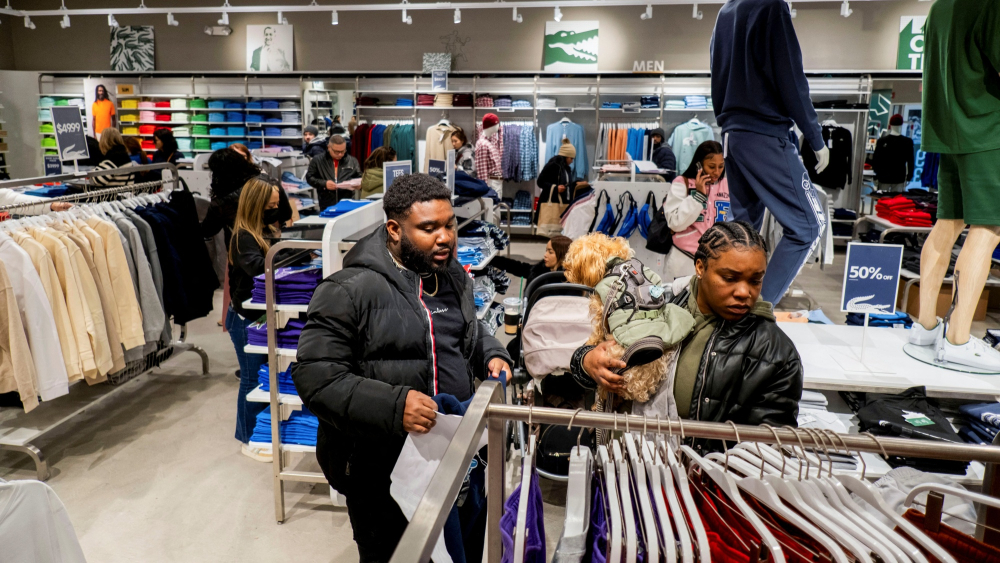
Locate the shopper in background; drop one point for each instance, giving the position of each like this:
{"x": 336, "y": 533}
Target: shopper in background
{"x": 736, "y": 365}
{"x": 336, "y": 127}
{"x": 166, "y": 147}
{"x": 134, "y": 147}
{"x": 552, "y": 261}
{"x": 256, "y": 221}
{"x": 102, "y": 110}
{"x": 372, "y": 180}
{"x": 370, "y": 355}
{"x": 465, "y": 156}
{"x": 558, "y": 175}
{"x": 662, "y": 156}
{"x": 697, "y": 199}
{"x": 115, "y": 156}
{"x": 313, "y": 144}
{"x": 333, "y": 167}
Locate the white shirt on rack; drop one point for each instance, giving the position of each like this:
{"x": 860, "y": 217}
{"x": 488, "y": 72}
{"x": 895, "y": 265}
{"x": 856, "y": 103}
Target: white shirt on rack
{"x": 34, "y": 525}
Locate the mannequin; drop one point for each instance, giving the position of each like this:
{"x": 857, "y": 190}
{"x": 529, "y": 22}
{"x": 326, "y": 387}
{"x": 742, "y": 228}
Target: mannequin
{"x": 488, "y": 156}
{"x": 961, "y": 110}
{"x": 893, "y": 161}
{"x": 756, "y": 105}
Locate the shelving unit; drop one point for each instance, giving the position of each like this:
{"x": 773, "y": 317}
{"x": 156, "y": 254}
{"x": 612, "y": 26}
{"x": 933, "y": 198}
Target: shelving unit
{"x": 3, "y": 143}
{"x": 45, "y": 110}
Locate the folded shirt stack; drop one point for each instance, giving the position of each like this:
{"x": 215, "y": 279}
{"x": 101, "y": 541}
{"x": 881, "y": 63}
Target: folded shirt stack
{"x": 425, "y": 99}
{"x": 234, "y": 105}
{"x": 161, "y": 105}
{"x": 343, "y": 206}
{"x": 290, "y": 181}
{"x": 470, "y": 256}
{"x": 285, "y": 384}
{"x": 129, "y": 117}
{"x": 254, "y": 118}
{"x": 147, "y": 116}
{"x": 181, "y": 132}
{"x": 444, "y": 100}
{"x": 484, "y": 101}
{"x": 546, "y": 102}
{"x": 631, "y": 105}
{"x": 178, "y": 103}
{"x": 404, "y": 102}
{"x": 165, "y": 117}
{"x": 44, "y": 115}
{"x": 462, "y": 100}
{"x": 521, "y": 103}
{"x": 289, "y": 117}
{"x": 202, "y": 145}
{"x": 292, "y": 286}
{"x": 255, "y": 104}
{"x": 611, "y": 105}
{"x": 483, "y": 291}
{"x": 898, "y": 320}
{"x": 130, "y": 104}
{"x": 46, "y": 128}
{"x": 503, "y": 102}
{"x": 62, "y": 102}
{"x": 902, "y": 211}
{"x": 287, "y": 104}
{"x": 480, "y": 229}
{"x": 217, "y": 104}
{"x": 197, "y": 103}
{"x": 148, "y": 145}
{"x": 179, "y": 117}
{"x": 234, "y": 116}
{"x": 183, "y": 144}
{"x": 300, "y": 428}
{"x": 49, "y": 191}
{"x": 674, "y": 104}
{"x": 370, "y": 101}
{"x": 199, "y": 130}
{"x": 982, "y": 422}
{"x": 289, "y": 132}
{"x": 255, "y": 145}
{"x": 217, "y": 131}
{"x": 287, "y": 337}
{"x": 650, "y": 101}
{"x": 202, "y": 117}
{"x": 696, "y": 102}
{"x": 271, "y": 120}
{"x": 218, "y": 145}
{"x": 78, "y": 102}
{"x": 215, "y": 117}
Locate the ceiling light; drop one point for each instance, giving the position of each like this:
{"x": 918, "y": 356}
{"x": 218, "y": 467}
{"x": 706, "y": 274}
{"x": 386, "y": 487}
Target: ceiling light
{"x": 281, "y": 19}
{"x": 335, "y": 20}
{"x": 696, "y": 13}
{"x": 648, "y": 14}
{"x": 224, "y": 20}
{"x": 172, "y": 21}
{"x": 112, "y": 22}
{"x": 65, "y": 22}
{"x": 557, "y": 14}
{"x": 407, "y": 19}
{"x": 845, "y": 9}
{"x": 28, "y": 23}
{"x": 458, "y": 15}
{"x": 518, "y": 17}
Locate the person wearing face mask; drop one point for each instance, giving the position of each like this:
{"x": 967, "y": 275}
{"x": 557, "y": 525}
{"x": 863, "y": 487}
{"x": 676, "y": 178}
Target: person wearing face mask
{"x": 257, "y": 218}
{"x": 736, "y": 364}
{"x": 697, "y": 199}
{"x": 396, "y": 326}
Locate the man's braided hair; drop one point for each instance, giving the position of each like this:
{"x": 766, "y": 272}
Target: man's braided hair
{"x": 725, "y": 235}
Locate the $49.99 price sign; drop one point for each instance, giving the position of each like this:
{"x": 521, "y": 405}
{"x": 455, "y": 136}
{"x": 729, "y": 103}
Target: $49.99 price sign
{"x": 871, "y": 278}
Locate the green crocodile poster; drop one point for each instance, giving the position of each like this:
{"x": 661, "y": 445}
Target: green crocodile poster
{"x": 570, "y": 46}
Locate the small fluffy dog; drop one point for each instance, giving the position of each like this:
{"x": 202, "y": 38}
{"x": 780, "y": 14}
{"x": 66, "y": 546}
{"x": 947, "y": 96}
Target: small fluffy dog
{"x": 586, "y": 264}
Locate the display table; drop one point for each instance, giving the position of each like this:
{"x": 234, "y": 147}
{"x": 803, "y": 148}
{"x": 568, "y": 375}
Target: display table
{"x": 823, "y": 347}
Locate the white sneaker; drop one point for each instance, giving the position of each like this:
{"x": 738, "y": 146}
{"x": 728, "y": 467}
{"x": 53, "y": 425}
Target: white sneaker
{"x": 258, "y": 454}
{"x": 920, "y": 336}
{"x": 974, "y": 353}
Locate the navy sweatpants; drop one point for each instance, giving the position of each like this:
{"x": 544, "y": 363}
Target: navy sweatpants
{"x": 765, "y": 172}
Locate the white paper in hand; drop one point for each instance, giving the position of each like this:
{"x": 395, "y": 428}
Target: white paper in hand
{"x": 417, "y": 462}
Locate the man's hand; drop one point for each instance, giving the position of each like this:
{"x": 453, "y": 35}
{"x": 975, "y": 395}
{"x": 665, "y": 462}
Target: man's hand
{"x": 331, "y": 185}
{"x": 496, "y": 366}
{"x": 60, "y": 206}
{"x": 598, "y": 364}
{"x": 419, "y": 412}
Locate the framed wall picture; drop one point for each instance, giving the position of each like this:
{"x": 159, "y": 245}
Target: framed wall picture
{"x": 133, "y": 48}
{"x": 270, "y": 48}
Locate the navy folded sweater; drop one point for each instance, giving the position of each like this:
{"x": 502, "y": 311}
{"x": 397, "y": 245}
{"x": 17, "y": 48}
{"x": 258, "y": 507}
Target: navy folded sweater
{"x": 758, "y": 84}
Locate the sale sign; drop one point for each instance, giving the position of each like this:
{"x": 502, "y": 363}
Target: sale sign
{"x": 871, "y": 278}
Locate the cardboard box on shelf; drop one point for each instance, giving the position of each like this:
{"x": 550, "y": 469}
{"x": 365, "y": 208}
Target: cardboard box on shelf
{"x": 943, "y": 301}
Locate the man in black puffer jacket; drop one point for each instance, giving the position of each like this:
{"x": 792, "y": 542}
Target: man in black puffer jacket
{"x": 395, "y": 326}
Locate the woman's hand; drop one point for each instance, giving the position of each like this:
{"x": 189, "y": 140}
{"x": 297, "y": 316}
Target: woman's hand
{"x": 60, "y": 206}
{"x": 703, "y": 182}
{"x": 561, "y": 188}
{"x": 598, "y": 364}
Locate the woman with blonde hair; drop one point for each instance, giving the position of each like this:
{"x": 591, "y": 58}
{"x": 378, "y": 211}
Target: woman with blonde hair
{"x": 256, "y": 221}
{"x": 115, "y": 156}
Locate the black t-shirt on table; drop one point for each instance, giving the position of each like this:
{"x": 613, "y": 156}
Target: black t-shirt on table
{"x": 448, "y": 325}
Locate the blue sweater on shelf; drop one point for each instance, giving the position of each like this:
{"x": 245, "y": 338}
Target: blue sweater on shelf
{"x": 758, "y": 84}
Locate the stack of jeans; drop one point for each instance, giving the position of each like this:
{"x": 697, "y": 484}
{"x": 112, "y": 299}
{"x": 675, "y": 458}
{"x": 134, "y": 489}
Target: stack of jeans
{"x": 287, "y": 337}
{"x": 292, "y": 286}
{"x": 982, "y": 422}
{"x": 300, "y": 428}
{"x": 483, "y": 229}
{"x": 285, "y": 384}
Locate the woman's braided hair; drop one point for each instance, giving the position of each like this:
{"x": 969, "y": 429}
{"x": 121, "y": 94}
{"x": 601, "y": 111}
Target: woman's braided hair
{"x": 725, "y": 235}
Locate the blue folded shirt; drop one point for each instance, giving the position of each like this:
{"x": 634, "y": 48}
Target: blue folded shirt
{"x": 343, "y": 206}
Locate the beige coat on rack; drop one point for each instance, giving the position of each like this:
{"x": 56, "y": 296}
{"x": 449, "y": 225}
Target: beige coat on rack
{"x": 438, "y": 143}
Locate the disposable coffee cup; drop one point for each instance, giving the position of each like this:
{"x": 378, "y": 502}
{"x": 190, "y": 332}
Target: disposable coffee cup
{"x": 511, "y": 314}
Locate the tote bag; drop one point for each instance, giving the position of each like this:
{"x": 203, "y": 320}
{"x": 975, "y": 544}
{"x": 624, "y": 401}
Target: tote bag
{"x": 659, "y": 238}
{"x": 549, "y": 216}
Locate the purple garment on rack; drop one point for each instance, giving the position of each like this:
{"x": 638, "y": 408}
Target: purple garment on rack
{"x": 597, "y": 544}
{"x": 287, "y": 337}
{"x": 534, "y": 525}
{"x": 292, "y": 286}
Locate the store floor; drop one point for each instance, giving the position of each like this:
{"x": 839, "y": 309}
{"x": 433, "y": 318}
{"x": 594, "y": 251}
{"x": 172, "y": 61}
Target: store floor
{"x": 154, "y": 474}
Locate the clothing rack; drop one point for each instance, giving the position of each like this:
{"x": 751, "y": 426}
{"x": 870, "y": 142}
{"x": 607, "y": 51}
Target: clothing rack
{"x": 488, "y": 411}
{"x": 19, "y": 438}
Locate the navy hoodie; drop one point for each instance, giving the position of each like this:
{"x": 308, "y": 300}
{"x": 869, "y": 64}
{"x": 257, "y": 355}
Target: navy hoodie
{"x": 758, "y": 84}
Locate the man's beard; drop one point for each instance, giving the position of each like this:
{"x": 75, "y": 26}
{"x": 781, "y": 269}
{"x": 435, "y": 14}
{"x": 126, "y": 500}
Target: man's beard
{"x": 418, "y": 261}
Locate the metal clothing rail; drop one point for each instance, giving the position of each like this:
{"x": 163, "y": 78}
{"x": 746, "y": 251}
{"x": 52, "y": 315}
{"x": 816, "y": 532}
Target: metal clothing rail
{"x": 45, "y": 419}
{"x": 487, "y": 411}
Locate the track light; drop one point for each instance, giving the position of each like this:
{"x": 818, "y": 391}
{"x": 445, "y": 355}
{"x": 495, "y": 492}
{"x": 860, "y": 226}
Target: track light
{"x": 224, "y": 20}
{"x": 172, "y": 21}
{"x": 335, "y": 20}
{"x": 112, "y": 22}
{"x": 845, "y": 9}
{"x": 407, "y": 19}
{"x": 281, "y": 19}
{"x": 65, "y": 21}
{"x": 557, "y": 14}
{"x": 28, "y": 23}
{"x": 518, "y": 17}
{"x": 648, "y": 14}
{"x": 696, "y": 13}
{"x": 458, "y": 15}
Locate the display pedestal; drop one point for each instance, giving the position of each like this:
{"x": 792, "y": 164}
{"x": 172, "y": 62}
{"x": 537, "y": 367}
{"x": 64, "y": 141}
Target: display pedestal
{"x": 855, "y": 361}
{"x": 926, "y": 355}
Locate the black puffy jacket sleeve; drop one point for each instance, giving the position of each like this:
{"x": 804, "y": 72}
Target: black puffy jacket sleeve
{"x": 327, "y": 377}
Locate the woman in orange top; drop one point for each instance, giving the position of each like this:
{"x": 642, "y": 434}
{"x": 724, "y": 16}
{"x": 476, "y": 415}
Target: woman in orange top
{"x": 102, "y": 110}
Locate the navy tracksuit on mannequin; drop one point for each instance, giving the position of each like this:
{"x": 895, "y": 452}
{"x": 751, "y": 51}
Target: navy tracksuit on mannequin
{"x": 758, "y": 90}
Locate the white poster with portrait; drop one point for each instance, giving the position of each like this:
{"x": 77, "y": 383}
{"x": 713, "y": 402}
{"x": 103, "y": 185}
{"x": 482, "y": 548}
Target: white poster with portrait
{"x": 269, "y": 48}
{"x": 100, "y": 104}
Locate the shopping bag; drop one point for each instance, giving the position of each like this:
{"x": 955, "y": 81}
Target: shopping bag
{"x": 550, "y": 215}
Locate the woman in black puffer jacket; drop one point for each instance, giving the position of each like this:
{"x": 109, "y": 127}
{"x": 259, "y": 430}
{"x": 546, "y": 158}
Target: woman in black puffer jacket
{"x": 736, "y": 364}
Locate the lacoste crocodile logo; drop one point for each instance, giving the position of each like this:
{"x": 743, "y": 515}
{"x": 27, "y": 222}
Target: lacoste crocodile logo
{"x": 571, "y": 47}
{"x": 857, "y": 305}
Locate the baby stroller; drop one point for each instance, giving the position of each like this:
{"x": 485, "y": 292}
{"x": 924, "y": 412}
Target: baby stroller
{"x": 555, "y": 322}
